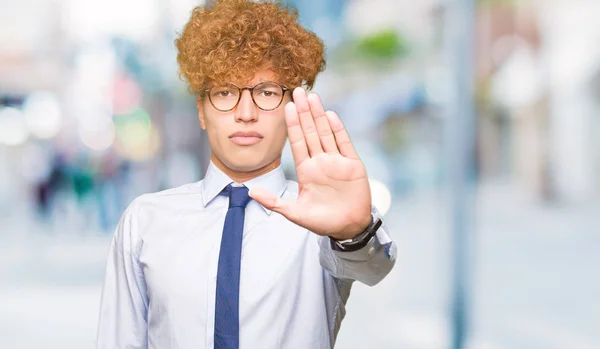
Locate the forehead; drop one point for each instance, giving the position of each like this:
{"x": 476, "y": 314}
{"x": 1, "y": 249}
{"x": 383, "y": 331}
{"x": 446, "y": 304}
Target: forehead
{"x": 251, "y": 78}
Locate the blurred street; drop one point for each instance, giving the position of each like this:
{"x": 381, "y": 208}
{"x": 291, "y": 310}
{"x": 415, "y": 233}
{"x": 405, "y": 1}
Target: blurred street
{"x": 535, "y": 280}
{"x": 93, "y": 114}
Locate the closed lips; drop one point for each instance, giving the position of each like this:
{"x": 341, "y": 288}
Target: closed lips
{"x": 246, "y": 134}
{"x": 245, "y": 138}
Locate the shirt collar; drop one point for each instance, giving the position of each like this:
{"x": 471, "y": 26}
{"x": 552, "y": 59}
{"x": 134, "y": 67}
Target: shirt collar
{"x": 215, "y": 180}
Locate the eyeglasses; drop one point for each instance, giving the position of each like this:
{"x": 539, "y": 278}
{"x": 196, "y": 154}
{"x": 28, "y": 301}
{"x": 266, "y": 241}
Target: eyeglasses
{"x": 266, "y": 95}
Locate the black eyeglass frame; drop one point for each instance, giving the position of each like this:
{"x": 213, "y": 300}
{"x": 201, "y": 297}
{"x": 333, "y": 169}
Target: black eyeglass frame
{"x": 251, "y": 89}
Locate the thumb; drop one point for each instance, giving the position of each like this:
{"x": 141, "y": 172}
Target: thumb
{"x": 272, "y": 202}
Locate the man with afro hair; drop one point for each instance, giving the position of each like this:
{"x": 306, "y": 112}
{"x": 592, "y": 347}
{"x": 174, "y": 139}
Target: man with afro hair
{"x": 245, "y": 258}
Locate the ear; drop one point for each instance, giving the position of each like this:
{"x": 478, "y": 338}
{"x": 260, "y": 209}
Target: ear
{"x": 200, "y": 106}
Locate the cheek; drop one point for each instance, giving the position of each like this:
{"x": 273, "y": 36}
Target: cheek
{"x": 217, "y": 127}
{"x": 273, "y": 123}
{"x": 280, "y": 131}
{"x": 217, "y": 137}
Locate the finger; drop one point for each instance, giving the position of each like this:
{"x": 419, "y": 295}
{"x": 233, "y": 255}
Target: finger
{"x": 295, "y": 134}
{"x": 341, "y": 136}
{"x": 322, "y": 123}
{"x": 274, "y": 203}
{"x": 307, "y": 123}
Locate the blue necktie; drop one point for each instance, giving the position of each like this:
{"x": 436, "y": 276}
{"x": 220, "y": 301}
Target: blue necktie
{"x": 227, "y": 320}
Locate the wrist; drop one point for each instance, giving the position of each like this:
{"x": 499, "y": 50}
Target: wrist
{"x": 359, "y": 241}
{"x": 355, "y": 230}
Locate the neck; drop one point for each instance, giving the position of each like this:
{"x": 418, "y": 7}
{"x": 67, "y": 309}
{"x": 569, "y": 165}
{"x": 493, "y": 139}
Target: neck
{"x": 243, "y": 176}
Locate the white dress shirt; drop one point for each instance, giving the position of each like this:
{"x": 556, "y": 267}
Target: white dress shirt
{"x": 160, "y": 284}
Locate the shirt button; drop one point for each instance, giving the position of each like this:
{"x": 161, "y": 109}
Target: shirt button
{"x": 371, "y": 251}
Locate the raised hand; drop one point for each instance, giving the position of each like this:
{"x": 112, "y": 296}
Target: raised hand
{"x": 334, "y": 197}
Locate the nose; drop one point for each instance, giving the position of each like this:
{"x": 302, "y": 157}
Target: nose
{"x": 246, "y": 111}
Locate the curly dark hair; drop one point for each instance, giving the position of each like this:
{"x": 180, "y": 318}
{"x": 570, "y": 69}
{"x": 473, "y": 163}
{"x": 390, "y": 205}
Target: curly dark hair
{"x": 233, "y": 39}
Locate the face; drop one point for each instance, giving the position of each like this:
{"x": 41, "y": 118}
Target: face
{"x": 246, "y": 138}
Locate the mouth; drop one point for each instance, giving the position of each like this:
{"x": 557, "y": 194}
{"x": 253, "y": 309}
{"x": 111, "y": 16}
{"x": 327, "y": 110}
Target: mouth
{"x": 245, "y": 138}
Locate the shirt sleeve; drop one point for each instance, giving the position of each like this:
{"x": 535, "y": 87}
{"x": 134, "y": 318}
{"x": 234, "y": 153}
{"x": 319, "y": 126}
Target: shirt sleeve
{"x": 124, "y": 302}
{"x": 368, "y": 265}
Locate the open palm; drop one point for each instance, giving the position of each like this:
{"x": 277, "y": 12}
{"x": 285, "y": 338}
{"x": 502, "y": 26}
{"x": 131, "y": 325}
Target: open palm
{"x": 334, "y": 197}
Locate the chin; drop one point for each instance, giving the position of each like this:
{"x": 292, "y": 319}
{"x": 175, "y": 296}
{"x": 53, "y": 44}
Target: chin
{"x": 246, "y": 160}
{"x": 243, "y": 164}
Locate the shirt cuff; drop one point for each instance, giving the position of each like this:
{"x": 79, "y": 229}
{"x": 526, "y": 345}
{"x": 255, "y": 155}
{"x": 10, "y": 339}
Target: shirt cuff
{"x": 375, "y": 244}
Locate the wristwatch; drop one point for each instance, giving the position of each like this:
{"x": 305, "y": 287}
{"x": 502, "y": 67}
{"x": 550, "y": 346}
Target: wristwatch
{"x": 359, "y": 241}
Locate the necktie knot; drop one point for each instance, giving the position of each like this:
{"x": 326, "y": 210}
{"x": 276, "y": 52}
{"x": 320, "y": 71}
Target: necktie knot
{"x": 238, "y": 196}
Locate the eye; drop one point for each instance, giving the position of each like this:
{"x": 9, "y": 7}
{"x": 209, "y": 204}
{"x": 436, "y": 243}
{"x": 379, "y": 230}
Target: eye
{"x": 223, "y": 93}
{"x": 268, "y": 93}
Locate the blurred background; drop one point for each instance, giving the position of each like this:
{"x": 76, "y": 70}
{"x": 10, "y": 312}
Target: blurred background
{"x": 92, "y": 114}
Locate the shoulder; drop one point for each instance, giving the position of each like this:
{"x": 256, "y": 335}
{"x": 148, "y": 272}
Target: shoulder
{"x": 152, "y": 209}
{"x": 164, "y": 201}
{"x": 167, "y": 196}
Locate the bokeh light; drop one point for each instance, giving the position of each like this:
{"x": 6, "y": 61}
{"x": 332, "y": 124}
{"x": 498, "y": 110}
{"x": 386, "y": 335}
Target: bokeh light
{"x": 380, "y": 195}
{"x": 43, "y": 115}
{"x": 127, "y": 95}
{"x": 13, "y": 129}
{"x": 99, "y": 137}
{"x": 136, "y": 138}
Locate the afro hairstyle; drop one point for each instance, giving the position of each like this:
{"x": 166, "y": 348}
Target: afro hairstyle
{"x": 231, "y": 40}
